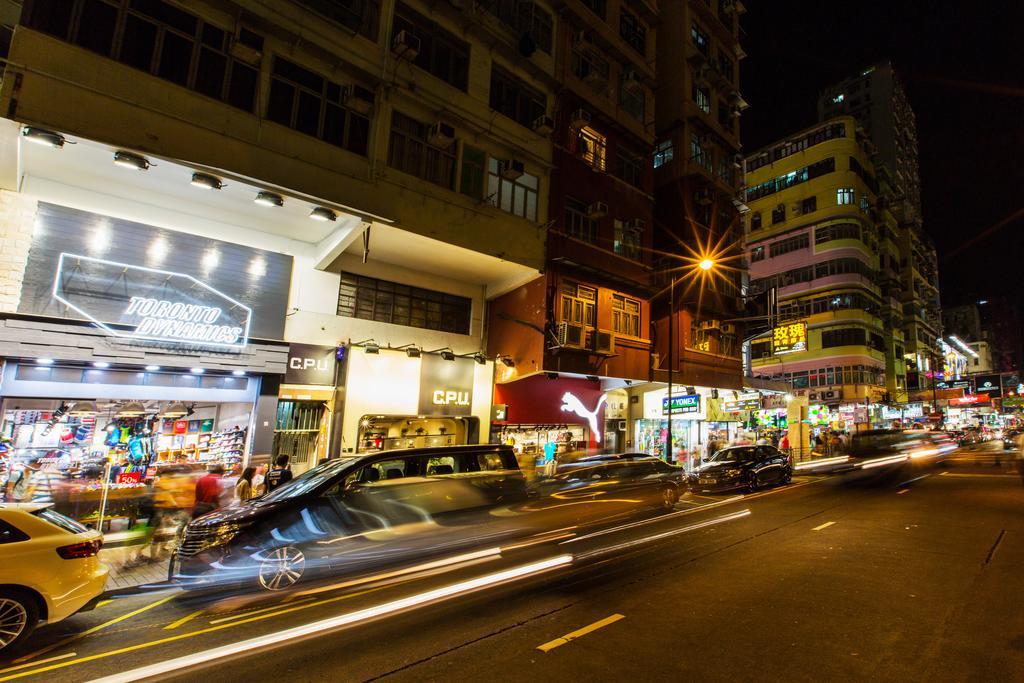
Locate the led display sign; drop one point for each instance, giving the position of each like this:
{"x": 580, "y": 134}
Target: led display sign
{"x": 789, "y": 338}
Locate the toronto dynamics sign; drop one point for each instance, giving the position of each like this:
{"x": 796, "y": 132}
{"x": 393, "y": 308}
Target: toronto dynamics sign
{"x": 150, "y": 305}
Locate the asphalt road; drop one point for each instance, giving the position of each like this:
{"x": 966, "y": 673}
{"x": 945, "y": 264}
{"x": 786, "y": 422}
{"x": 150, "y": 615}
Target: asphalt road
{"x": 865, "y": 576}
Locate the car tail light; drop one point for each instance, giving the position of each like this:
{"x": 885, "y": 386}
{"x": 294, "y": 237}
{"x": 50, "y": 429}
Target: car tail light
{"x": 80, "y": 550}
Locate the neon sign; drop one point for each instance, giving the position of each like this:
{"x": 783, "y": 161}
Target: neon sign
{"x": 571, "y": 404}
{"x": 789, "y": 338}
{"x": 161, "y": 305}
{"x": 451, "y": 398}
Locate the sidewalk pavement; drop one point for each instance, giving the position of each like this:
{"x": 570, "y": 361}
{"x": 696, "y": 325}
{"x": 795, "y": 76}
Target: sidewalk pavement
{"x": 129, "y": 566}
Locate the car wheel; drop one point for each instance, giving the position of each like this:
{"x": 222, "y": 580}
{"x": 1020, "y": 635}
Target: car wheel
{"x": 753, "y": 484}
{"x": 282, "y": 568}
{"x": 19, "y": 614}
{"x": 787, "y": 477}
{"x": 669, "y": 497}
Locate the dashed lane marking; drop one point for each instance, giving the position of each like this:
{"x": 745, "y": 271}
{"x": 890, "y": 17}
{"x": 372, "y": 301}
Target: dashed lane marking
{"x": 579, "y": 633}
{"x": 822, "y": 526}
{"x": 66, "y": 655}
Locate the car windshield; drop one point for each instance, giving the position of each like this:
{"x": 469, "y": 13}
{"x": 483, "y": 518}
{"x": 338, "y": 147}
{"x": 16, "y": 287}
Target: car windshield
{"x": 733, "y": 455}
{"x": 309, "y": 480}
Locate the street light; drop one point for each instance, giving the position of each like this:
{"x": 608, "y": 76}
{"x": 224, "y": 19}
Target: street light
{"x": 706, "y": 264}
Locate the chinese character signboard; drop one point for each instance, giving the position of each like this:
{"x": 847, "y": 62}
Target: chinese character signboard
{"x": 681, "y": 405}
{"x": 789, "y": 338}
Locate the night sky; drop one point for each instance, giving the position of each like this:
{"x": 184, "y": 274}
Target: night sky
{"x": 964, "y": 73}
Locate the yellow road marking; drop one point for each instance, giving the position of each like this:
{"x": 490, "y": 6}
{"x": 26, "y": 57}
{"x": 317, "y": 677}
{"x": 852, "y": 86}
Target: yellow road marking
{"x": 184, "y": 619}
{"x": 182, "y": 636}
{"x": 901, "y": 492}
{"x": 41, "y": 661}
{"x": 103, "y": 602}
{"x": 94, "y": 629}
{"x": 966, "y": 474}
{"x": 569, "y": 637}
{"x": 257, "y": 611}
{"x": 823, "y": 526}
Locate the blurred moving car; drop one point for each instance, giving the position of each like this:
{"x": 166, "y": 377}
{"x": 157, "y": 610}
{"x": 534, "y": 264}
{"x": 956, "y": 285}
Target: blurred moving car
{"x": 634, "y": 479}
{"x": 742, "y": 467}
{"x": 49, "y": 569}
{"x": 354, "y": 512}
{"x": 1013, "y": 440}
{"x": 880, "y": 447}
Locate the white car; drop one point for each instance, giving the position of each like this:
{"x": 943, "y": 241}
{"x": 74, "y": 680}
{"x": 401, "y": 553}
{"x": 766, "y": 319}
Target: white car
{"x": 49, "y": 569}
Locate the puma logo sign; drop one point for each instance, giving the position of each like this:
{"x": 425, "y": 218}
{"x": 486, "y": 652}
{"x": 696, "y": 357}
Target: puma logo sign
{"x": 572, "y": 404}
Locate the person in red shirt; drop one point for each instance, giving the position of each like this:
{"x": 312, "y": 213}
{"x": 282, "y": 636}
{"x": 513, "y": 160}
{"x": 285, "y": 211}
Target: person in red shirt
{"x": 208, "y": 491}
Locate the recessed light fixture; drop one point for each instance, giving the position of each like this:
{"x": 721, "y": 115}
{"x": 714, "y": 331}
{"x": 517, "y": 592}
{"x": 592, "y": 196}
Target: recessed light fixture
{"x": 46, "y": 138}
{"x": 101, "y": 364}
{"x": 323, "y": 214}
{"x": 206, "y": 181}
{"x": 238, "y": 373}
{"x": 152, "y": 368}
{"x": 44, "y": 361}
{"x": 447, "y": 354}
{"x": 197, "y": 371}
{"x": 269, "y": 199}
{"x": 129, "y": 160}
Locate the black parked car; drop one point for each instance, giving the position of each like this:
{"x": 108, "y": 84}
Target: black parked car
{"x": 354, "y": 513}
{"x": 741, "y": 467}
{"x": 632, "y": 480}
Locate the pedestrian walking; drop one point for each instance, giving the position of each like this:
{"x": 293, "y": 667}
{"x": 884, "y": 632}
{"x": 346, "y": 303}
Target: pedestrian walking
{"x": 208, "y": 491}
{"x": 243, "y": 488}
{"x": 20, "y": 486}
{"x": 279, "y": 475}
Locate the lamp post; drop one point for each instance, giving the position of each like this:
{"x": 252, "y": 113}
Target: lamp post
{"x": 671, "y": 360}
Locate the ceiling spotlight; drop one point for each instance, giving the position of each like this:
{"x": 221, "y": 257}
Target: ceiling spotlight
{"x": 269, "y": 199}
{"x": 447, "y": 354}
{"x": 101, "y": 364}
{"x": 46, "y": 138}
{"x": 206, "y": 181}
{"x": 238, "y": 373}
{"x": 191, "y": 410}
{"x": 152, "y": 368}
{"x": 413, "y": 352}
{"x": 371, "y": 347}
{"x": 44, "y": 361}
{"x": 133, "y": 161}
{"x": 508, "y": 362}
{"x": 197, "y": 371}
{"x": 322, "y": 214}
{"x": 480, "y": 358}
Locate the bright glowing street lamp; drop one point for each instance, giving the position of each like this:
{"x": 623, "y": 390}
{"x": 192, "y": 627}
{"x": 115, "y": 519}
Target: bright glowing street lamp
{"x": 706, "y": 264}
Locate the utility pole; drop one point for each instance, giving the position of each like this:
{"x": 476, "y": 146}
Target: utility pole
{"x": 671, "y": 361}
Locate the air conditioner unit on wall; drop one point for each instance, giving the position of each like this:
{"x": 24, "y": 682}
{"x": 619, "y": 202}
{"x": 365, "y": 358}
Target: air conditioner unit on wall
{"x": 580, "y": 118}
{"x": 570, "y": 335}
{"x": 597, "y": 210}
{"x": 441, "y": 134}
{"x": 511, "y": 169}
{"x": 604, "y": 342}
{"x": 728, "y": 328}
{"x": 543, "y": 125}
{"x": 357, "y": 98}
{"x": 405, "y": 45}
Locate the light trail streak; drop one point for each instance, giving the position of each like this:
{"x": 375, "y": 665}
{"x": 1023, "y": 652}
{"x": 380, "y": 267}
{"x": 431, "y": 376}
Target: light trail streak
{"x": 644, "y": 522}
{"x": 179, "y": 664}
{"x": 819, "y": 463}
{"x": 665, "y": 534}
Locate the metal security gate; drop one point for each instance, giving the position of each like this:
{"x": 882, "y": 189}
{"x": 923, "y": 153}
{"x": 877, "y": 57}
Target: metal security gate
{"x": 297, "y": 429}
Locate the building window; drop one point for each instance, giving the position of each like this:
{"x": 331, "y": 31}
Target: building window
{"x": 809, "y": 205}
{"x": 662, "y": 153}
{"x": 846, "y": 195}
{"x": 598, "y": 7}
{"x": 789, "y": 244}
{"x": 578, "y": 222}
{"x": 698, "y": 154}
{"x": 589, "y": 65}
{"x": 802, "y": 175}
{"x": 409, "y": 151}
{"x": 592, "y": 147}
{"x": 726, "y": 66}
{"x": 836, "y": 231}
{"x": 757, "y": 254}
{"x": 629, "y": 167}
{"x": 441, "y": 53}
{"x": 628, "y": 238}
{"x": 779, "y": 214}
{"x": 311, "y": 104}
{"x": 702, "y": 96}
{"x": 700, "y": 39}
{"x": 471, "y": 178}
{"x": 518, "y": 197}
{"x": 631, "y": 98}
{"x": 515, "y": 99}
{"x": 625, "y": 315}
{"x": 755, "y": 220}
{"x": 368, "y": 298}
{"x": 160, "y": 39}
{"x": 361, "y": 16}
{"x": 523, "y": 17}
{"x": 578, "y": 304}
{"x": 632, "y": 31}
{"x": 846, "y": 336}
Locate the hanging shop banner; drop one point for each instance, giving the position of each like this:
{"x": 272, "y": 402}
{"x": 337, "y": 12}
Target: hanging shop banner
{"x": 977, "y": 399}
{"x": 446, "y": 386}
{"x": 147, "y": 284}
{"x": 311, "y": 364}
{"x": 789, "y": 338}
{"x": 953, "y": 384}
{"x": 742, "y": 404}
{"x": 988, "y": 384}
{"x": 681, "y": 405}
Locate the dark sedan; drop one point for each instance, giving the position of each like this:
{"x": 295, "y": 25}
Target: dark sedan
{"x": 741, "y": 467}
{"x": 626, "y": 481}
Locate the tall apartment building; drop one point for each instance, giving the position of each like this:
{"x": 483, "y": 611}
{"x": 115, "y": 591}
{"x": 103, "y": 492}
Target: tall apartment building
{"x": 878, "y": 101}
{"x": 415, "y": 135}
{"x": 697, "y": 175}
{"x": 823, "y": 237}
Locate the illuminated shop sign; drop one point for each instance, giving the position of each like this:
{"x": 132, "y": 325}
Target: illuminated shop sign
{"x": 988, "y": 384}
{"x": 572, "y": 404}
{"x": 452, "y": 398}
{"x": 789, "y": 338}
{"x": 742, "y": 404}
{"x": 311, "y": 364}
{"x": 681, "y": 405}
{"x": 446, "y": 386}
{"x": 157, "y": 305}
